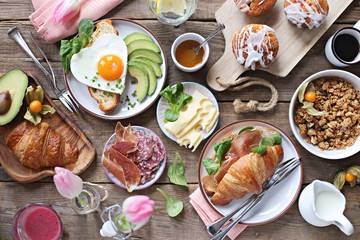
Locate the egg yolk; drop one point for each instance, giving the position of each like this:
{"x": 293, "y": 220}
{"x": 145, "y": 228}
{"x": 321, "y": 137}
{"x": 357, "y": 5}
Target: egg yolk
{"x": 110, "y": 67}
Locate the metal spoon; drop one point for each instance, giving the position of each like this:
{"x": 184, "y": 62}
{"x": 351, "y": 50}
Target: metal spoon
{"x": 212, "y": 34}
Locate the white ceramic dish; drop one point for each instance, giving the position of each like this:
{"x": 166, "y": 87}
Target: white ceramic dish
{"x": 81, "y": 95}
{"x": 278, "y": 199}
{"x": 327, "y": 154}
{"x": 189, "y": 88}
{"x": 159, "y": 172}
{"x": 190, "y": 36}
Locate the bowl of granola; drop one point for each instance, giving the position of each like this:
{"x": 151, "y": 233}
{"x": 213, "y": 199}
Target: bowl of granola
{"x": 324, "y": 114}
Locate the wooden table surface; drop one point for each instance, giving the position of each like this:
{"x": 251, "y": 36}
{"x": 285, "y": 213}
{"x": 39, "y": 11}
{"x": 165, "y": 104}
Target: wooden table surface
{"x": 187, "y": 225}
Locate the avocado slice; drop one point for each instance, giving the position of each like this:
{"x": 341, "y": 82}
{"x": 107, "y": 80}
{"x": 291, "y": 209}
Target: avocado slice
{"x": 15, "y": 81}
{"x": 156, "y": 57}
{"x": 140, "y": 74}
{"x": 154, "y": 65}
{"x": 142, "y": 44}
{"x": 135, "y": 36}
{"x": 150, "y": 73}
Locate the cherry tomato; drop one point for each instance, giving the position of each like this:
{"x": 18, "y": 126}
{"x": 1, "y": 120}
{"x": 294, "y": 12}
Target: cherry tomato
{"x": 35, "y": 106}
{"x": 349, "y": 177}
{"x": 310, "y": 96}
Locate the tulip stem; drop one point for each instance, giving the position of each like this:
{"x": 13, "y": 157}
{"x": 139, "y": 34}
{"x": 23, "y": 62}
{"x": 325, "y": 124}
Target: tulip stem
{"x": 82, "y": 202}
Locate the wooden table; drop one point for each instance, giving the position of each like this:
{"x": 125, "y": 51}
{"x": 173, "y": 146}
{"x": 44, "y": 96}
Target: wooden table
{"x": 187, "y": 225}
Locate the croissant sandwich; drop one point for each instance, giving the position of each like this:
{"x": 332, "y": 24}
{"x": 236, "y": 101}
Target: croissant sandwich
{"x": 246, "y": 165}
{"x": 247, "y": 175}
{"x": 40, "y": 146}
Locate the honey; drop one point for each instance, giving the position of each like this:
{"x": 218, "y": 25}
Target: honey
{"x": 186, "y": 55}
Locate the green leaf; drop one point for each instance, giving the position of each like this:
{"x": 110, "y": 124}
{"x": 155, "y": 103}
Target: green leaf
{"x": 86, "y": 26}
{"x": 174, "y": 206}
{"x": 122, "y": 224}
{"x": 221, "y": 149}
{"x": 177, "y": 100}
{"x": 211, "y": 165}
{"x": 65, "y": 48}
{"x": 176, "y": 171}
{"x": 263, "y": 145}
{"x": 246, "y": 129}
{"x": 277, "y": 138}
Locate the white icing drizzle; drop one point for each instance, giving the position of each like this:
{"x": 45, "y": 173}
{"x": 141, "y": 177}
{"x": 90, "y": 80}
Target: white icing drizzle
{"x": 256, "y": 46}
{"x": 297, "y": 15}
{"x": 243, "y": 5}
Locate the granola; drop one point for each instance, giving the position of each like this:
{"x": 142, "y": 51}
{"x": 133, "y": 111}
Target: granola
{"x": 339, "y": 127}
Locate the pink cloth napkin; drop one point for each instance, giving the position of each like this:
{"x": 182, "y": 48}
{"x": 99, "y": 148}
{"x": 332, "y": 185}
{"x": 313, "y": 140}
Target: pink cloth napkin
{"x": 51, "y": 31}
{"x": 208, "y": 215}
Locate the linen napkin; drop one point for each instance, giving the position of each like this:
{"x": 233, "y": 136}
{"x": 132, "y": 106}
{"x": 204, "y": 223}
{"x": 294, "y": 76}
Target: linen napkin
{"x": 51, "y": 31}
{"x": 208, "y": 215}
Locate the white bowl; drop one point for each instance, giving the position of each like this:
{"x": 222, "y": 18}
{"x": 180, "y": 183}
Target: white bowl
{"x": 190, "y": 36}
{"x": 327, "y": 154}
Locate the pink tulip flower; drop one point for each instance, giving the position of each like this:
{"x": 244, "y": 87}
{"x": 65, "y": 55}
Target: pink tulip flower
{"x": 138, "y": 209}
{"x": 68, "y": 184}
{"x": 65, "y": 10}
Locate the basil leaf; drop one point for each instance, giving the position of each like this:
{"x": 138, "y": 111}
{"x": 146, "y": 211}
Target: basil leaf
{"x": 176, "y": 171}
{"x": 263, "y": 145}
{"x": 174, "y": 206}
{"x": 221, "y": 148}
{"x": 277, "y": 138}
{"x": 86, "y": 26}
{"x": 211, "y": 165}
{"x": 65, "y": 48}
{"x": 245, "y": 129}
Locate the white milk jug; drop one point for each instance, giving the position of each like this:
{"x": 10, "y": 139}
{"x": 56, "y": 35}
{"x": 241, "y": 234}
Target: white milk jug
{"x": 322, "y": 204}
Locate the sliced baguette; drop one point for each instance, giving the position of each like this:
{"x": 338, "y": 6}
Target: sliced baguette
{"x": 107, "y": 101}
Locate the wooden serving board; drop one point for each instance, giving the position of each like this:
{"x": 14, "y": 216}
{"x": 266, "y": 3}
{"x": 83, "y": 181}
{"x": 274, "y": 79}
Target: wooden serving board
{"x": 294, "y": 42}
{"x": 61, "y": 124}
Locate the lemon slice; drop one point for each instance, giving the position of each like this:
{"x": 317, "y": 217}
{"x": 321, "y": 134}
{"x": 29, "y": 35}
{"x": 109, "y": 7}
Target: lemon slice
{"x": 175, "y": 6}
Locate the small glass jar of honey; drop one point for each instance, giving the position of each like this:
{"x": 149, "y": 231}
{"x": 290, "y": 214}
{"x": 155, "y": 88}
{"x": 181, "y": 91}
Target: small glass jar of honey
{"x": 183, "y": 52}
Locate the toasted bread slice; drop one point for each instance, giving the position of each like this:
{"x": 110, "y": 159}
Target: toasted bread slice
{"x": 107, "y": 101}
{"x": 102, "y": 28}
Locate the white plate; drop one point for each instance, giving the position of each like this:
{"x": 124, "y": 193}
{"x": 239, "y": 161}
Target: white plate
{"x": 81, "y": 95}
{"x": 278, "y": 199}
{"x": 159, "y": 172}
{"x": 189, "y": 88}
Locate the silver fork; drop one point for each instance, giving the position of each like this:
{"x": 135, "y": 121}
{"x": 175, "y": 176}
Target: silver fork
{"x": 63, "y": 94}
{"x": 280, "y": 174}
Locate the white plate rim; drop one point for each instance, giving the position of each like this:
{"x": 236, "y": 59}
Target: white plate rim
{"x": 158, "y": 174}
{"x": 161, "y": 80}
{"x": 299, "y": 170}
{"x": 186, "y": 85}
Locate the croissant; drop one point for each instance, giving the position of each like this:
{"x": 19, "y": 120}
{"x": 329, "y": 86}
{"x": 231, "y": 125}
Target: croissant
{"x": 40, "y": 146}
{"x": 247, "y": 175}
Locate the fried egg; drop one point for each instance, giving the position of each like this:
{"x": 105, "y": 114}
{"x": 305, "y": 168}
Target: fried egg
{"x": 102, "y": 65}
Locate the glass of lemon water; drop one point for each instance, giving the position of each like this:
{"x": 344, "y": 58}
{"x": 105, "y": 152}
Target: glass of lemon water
{"x": 173, "y": 12}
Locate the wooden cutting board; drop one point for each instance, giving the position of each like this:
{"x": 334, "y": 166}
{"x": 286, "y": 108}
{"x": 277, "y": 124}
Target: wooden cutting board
{"x": 294, "y": 42}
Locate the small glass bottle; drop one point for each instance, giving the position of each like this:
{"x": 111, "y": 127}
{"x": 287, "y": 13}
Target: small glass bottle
{"x": 89, "y": 199}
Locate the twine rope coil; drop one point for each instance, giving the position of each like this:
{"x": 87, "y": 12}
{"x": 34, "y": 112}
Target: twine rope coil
{"x": 252, "y": 105}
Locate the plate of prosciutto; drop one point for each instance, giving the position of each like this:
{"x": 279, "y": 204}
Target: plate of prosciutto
{"x": 134, "y": 157}
{"x": 249, "y": 151}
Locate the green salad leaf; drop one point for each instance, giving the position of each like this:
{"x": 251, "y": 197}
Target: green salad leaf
{"x": 211, "y": 165}
{"x": 266, "y": 141}
{"x": 176, "y": 171}
{"x": 277, "y": 138}
{"x": 70, "y": 47}
{"x": 177, "y": 99}
{"x": 174, "y": 206}
{"x": 246, "y": 129}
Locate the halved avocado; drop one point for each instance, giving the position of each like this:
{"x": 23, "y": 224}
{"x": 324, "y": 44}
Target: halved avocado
{"x": 140, "y": 74}
{"x": 15, "y": 81}
{"x": 156, "y": 57}
{"x": 142, "y": 44}
{"x": 154, "y": 65}
{"x": 150, "y": 73}
{"x": 135, "y": 36}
